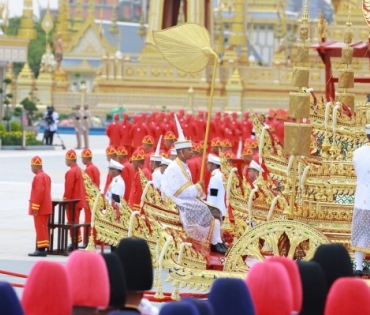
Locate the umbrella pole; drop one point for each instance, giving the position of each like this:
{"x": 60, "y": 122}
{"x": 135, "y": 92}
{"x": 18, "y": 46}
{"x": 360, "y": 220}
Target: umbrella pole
{"x": 209, "y": 115}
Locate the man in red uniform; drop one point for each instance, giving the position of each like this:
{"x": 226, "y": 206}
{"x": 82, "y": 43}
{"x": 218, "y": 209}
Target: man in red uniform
{"x": 247, "y": 155}
{"x": 111, "y": 154}
{"x": 138, "y": 131}
{"x": 128, "y": 171}
{"x": 74, "y": 189}
{"x": 137, "y": 161}
{"x": 194, "y": 163}
{"x": 114, "y": 132}
{"x": 93, "y": 172}
{"x": 148, "y": 145}
{"x": 40, "y": 205}
{"x": 126, "y": 126}
{"x": 246, "y": 126}
{"x": 216, "y": 145}
{"x": 91, "y": 169}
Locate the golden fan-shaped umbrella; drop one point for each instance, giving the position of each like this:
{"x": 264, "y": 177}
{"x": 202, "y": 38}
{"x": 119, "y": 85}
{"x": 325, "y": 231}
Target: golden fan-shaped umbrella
{"x": 188, "y": 48}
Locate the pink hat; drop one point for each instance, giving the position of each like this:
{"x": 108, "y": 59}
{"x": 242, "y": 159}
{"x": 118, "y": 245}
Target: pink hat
{"x": 89, "y": 280}
{"x": 47, "y": 290}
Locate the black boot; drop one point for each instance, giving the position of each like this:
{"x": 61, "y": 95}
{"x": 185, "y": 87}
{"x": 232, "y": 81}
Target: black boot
{"x": 40, "y": 252}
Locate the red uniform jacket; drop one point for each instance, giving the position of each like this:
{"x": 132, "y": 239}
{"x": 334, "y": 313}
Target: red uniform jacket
{"x": 137, "y": 133}
{"x": 40, "y": 199}
{"x": 137, "y": 189}
{"x": 74, "y": 186}
{"x": 194, "y": 167}
{"x": 93, "y": 173}
{"x": 128, "y": 177}
{"x": 125, "y": 133}
{"x": 114, "y": 133}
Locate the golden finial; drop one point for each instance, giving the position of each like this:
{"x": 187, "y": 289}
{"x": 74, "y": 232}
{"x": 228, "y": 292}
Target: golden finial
{"x": 91, "y": 8}
{"x": 113, "y": 28}
{"x": 47, "y": 23}
{"x": 349, "y": 22}
{"x": 305, "y": 12}
{"x": 101, "y": 32}
{"x": 142, "y": 29}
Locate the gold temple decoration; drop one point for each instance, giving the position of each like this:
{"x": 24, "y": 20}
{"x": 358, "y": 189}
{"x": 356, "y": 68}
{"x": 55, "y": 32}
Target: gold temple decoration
{"x": 47, "y": 24}
{"x": 188, "y": 48}
{"x": 297, "y": 136}
{"x": 27, "y": 29}
{"x": 346, "y": 75}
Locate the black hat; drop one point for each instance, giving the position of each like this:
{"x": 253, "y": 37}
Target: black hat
{"x": 204, "y": 307}
{"x": 231, "y": 296}
{"x": 117, "y": 280}
{"x": 334, "y": 261}
{"x": 135, "y": 257}
{"x": 313, "y": 288}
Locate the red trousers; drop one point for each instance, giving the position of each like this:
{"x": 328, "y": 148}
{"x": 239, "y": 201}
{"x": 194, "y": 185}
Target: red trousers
{"x": 42, "y": 232}
{"x": 87, "y": 220}
{"x": 76, "y": 219}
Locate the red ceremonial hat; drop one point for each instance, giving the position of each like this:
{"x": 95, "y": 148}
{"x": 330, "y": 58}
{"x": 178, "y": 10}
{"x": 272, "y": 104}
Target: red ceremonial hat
{"x": 47, "y": 290}
{"x": 280, "y": 114}
{"x": 195, "y": 147}
{"x": 169, "y": 135}
{"x": 116, "y": 116}
{"x": 272, "y": 128}
{"x": 229, "y": 155}
{"x": 270, "y": 296}
{"x": 216, "y": 142}
{"x": 36, "y": 160}
{"x": 247, "y": 150}
{"x": 271, "y": 113}
{"x": 252, "y": 143}
{"x": 110, "y": 150}
{"x": 227, "y": 143}
{"x": 148, "y": 140}
{"x": 71, "y": 155}
{"x": 348, "y": 296}
{"x": 88, "y": 276}
{"x": 201, "y": 145}
{"x": 164, "y": 154}
{"x": 86, "y": 153}
{"x": 246, "y": 115}
{"x": 122, "y": 151}
{"x": 295, "y": 279}
{"x": 138, "y": 155}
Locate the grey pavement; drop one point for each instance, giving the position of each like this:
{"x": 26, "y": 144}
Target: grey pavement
{"x": 17, "y": 234}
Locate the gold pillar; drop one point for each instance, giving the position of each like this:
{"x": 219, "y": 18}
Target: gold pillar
{"x": 62, "y": 21}
{"x": 154, "y": 20}
{"x": 238, "y": 36}
{"x": 27, "y": 29}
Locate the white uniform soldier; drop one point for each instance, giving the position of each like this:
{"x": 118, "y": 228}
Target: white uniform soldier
{"x": 117, "y": 187}
{"x": 216, "y": 189}
{"x": 86, "y": 124}
{"x": 78, "y": 125}
{"x": 360, "y": 236}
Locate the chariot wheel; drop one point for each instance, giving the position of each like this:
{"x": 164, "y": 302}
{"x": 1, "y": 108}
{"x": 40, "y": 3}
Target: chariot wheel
{"x": 287, "y": 238}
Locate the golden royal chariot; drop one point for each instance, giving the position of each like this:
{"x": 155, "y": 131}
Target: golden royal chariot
{"x": 305, "y": 200}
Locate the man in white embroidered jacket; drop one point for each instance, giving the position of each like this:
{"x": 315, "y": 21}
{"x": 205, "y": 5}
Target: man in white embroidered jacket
{"x": 196, "y": 216}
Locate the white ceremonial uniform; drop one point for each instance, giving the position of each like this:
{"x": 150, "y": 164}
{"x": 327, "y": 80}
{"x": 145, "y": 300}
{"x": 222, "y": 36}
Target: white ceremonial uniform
{"x": 117, "y": 187}
{"x": 157, "y": 178}
{"x": 216, "y": 191}
{"x": 360, "y": 236}
{"x": 195, "y": 215}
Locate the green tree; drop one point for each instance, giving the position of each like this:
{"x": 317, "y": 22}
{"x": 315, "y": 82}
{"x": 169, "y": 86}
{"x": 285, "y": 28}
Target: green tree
{"x": 36, "y": 47}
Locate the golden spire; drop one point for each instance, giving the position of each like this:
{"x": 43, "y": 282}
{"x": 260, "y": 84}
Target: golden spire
{"x": 219, "y": 32}
{"x": 27, "y": 29}
{"x": 78, "y": 18}
{"x": 62, "y": 20}
{"x": 238, "y": 36}
{"x": 113, "y": 28}
{"x": 305, "y": 12}
{"x": 142, "y": 29}
{"x": 91, "y": 9}
{"x": 47, "y": 24}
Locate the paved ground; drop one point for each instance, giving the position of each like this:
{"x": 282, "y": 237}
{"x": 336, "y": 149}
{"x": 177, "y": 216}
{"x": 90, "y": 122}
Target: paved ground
{"x": 17, "y": 235}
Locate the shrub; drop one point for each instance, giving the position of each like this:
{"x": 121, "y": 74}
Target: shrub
{"x": 15, "y": 126}
{"x": 2, "y": 127}
{"x": 15, "y": 138}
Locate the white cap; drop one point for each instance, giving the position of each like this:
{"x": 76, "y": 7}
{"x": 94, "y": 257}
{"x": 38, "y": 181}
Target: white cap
{"x": 181, "y": 142}
{"x": 166, "y": 161}
{"x": 173, "y": 152}
{"x": 367, "y": 129}
{"x": 255, "y": 166}
{"x": 214, "y": 159}
{"x": 156, "y": 157}
{"x": 115, "y": 165}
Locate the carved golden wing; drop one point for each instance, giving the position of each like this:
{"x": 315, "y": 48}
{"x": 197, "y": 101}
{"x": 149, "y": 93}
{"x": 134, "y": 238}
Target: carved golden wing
{"x": 366, "y": 11}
